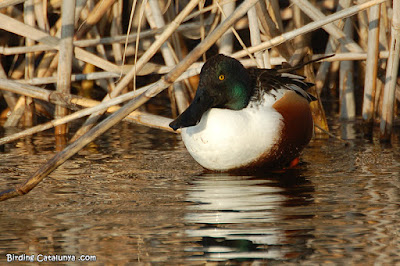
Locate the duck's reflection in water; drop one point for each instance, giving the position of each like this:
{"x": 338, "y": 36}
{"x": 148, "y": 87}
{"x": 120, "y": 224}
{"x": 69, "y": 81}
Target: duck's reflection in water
{"x": 250, "y": 217}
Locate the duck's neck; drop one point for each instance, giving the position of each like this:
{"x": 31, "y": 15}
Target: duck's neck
{"x": 240, "y": 96}
{"x": 240, "y": 92}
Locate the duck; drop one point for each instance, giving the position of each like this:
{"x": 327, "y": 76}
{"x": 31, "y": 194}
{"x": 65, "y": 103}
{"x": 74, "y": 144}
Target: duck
{"x": 243, "y": 119}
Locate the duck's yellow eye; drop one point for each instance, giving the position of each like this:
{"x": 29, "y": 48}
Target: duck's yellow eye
{"x": 221, "y": 77}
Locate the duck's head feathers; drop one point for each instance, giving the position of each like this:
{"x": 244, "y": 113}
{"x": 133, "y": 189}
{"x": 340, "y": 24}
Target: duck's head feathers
{"x": 224, "y": 83}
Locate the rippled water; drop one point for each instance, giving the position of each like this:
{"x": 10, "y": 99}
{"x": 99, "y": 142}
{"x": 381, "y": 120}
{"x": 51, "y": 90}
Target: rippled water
{"x": 136, "y": 196}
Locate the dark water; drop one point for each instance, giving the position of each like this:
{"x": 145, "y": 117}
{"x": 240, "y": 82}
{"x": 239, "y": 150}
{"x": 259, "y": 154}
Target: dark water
{"x": 136, "y": 196}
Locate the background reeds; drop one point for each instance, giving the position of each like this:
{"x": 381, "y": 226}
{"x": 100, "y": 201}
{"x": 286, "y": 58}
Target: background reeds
{"x": 63, "y": 60}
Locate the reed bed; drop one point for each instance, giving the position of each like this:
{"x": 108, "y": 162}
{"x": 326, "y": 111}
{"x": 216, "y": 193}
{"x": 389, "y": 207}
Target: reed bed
{"x": 66, "y": 60}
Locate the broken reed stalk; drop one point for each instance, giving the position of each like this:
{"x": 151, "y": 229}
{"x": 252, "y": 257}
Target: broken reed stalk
{"x": 64, "y": 69}
{"x": 389, "y": 98}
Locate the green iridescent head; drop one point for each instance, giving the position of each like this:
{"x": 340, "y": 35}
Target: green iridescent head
{"x": 224, "y": 83}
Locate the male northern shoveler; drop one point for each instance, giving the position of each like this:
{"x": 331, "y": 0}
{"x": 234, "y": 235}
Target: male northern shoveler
{"x": 244, "y": 118}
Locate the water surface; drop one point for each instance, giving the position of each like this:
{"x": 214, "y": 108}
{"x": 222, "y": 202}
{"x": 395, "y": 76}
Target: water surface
{"x": 136, "y": 196}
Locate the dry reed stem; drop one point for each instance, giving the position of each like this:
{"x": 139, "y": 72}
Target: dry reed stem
{"x": 255, "y": 37}
{"x": 389, "y": 98}
{"x": 384, "y": 44}
{"x": 74, "y": 77}
{"x": 362, "y": 23}
{"x": 29, "y": 19}
{"x": 116, "y": 29}
{"x": 226, "y": 42}
{"x": 346, "y": 81}
{"x": 113, "y": 119}
{"x": 350, "y": 56}
{"x": 25, "y": 49}
{"x": 65, "y": 55}
{"x": 371, "y": 69}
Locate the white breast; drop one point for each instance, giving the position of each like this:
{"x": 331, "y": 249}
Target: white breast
{"x": 226, "y": 139}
